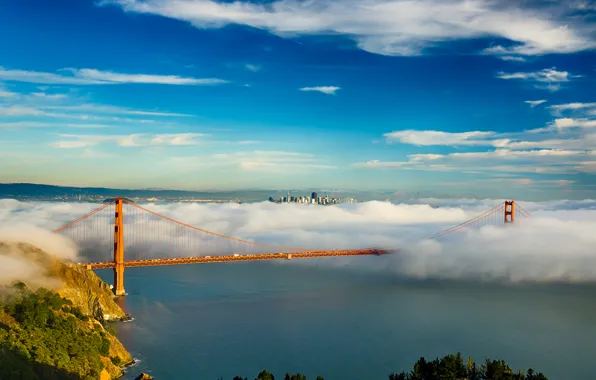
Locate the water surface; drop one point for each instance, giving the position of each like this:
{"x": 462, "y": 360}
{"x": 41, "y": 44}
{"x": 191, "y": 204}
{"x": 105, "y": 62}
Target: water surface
{"x": 221, "y": 320}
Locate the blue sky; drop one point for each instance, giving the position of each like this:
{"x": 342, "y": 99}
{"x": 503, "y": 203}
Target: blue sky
{"x": 359, "y": 94}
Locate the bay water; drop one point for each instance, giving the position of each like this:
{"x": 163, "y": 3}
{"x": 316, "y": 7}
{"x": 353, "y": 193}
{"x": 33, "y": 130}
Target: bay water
{"x": 211, "y": 321}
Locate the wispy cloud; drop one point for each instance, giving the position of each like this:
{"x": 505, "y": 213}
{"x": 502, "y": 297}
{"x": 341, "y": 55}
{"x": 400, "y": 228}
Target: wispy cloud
{"x": 97, "y": 77}
{"x": 35, "y": 124}
{"x": 69, "y": 141}
{"x": 512, "y": 58}
{"x": 535, "y": 103}
{"x": 559, "y": 108}
{"x": 542, "y": 161}
{"x": 47, "y": 96}
{"x": 329, "y": 90}
{"x": 512, "y": 182}
{"x": 44, "y": 78}
{"x": 100, "y": 108}
{"x": 82, "y": 112}
{"x": 546, "y": 75}
{"x": 428, "y": 138}
{"x": 25, "y": 111}
{"x": 112, "y": 77}
{"x": 251, "y": 67}
{"x": 565, "y": 146}
{"x": 392, "y": 27}
{"x": 258, "y": 160}
{"x": 548, "y": 79}
{"x": 7, "y": 94}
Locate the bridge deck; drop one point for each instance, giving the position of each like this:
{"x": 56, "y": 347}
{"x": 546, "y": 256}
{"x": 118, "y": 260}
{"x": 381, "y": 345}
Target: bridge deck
{"x": 232, "y": 258}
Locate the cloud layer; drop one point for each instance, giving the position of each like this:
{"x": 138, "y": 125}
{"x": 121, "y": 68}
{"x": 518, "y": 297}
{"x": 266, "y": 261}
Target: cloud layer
{"x": 565, "y": 146}
{"x": 16, "y": 261}
{"x": 555, "y": 244}
{"x": 98, "y": 77}
{"x": 393, "y": 27}
{"x": 329, "y": 90}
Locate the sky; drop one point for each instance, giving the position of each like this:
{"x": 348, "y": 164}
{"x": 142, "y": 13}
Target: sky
{"x": 555, "y": 244}
{"x": 472, "y": 96}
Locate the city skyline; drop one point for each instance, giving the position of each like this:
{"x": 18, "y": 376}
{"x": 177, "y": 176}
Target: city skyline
{"x": 197, "y": 95}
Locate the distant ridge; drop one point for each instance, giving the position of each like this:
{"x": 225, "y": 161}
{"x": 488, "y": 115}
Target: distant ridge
{"x": 33, "y": 191}
{"x": 40, "y": 191}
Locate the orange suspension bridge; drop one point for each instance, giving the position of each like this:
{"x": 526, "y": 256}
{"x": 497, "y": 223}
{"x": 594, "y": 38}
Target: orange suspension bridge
{"x": 102, "y": 233}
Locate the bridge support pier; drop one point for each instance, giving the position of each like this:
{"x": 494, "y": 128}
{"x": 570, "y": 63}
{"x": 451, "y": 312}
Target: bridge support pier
{"x": 509, "y": 211}
{"x": 119, "y": 249}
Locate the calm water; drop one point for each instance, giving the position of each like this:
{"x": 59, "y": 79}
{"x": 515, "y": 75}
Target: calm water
{"x": 222, "y": 320}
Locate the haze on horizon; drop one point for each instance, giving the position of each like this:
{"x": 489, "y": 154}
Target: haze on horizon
{"x": 454, "y": 96}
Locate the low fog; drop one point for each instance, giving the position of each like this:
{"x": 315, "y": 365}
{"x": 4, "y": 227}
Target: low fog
{"x": 16, "y": 261}
{"x": 555, "y": 245}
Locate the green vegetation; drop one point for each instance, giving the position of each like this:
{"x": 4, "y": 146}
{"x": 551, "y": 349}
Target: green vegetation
{"x": 450, "y": 367}
{"x": 43, "y": 336}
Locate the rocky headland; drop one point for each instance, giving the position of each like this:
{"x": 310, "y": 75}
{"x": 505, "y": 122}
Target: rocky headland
{"x": 54, "y": 320}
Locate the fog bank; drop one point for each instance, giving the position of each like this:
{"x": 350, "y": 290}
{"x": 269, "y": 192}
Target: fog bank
{"x": 555, "y": 244}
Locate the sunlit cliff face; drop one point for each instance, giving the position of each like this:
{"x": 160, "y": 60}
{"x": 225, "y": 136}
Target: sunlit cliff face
{"x": 555, "y": 244}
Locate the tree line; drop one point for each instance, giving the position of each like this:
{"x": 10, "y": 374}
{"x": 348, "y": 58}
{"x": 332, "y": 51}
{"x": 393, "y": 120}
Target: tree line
{"x": 449, "y": 367}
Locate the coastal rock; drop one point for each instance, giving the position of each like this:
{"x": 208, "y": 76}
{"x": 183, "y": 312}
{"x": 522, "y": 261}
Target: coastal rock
{"x": 144, "y": 376}
{"x": 88, "y": 292}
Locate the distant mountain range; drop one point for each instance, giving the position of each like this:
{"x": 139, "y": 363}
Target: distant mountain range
{"x": 37, "y": 191}
{"x": 51, "y": 192}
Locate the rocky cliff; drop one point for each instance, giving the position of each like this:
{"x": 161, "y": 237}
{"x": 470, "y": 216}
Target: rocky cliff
{"x": 88, "y": 292}
{"x": 53, "y": 319}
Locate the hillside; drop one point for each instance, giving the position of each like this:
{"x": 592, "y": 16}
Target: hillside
{"x": 60, "y": 333}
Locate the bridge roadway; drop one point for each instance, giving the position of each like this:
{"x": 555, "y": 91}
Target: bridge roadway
{"x": 233, "y": 258}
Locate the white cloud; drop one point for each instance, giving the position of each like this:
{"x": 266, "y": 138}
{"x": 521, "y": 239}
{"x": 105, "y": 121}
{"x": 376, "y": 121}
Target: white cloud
{"x": 510, "y": 182}
{"x": 7, "y": 94}
{"x": 329, "y": 90}
{"x": 97, "y": 77}
{"x": 100, "y": 108}
{"x": 535, "y": 103}
{"x": 176, "y": 139}
{"x": 552, "y": 77}
{"x": 512, "y": 58}
{"x": 570, "y": 123}
{"x": 251, "y": 67}
{"x": 428, "y": 138}
{"x": 133, "y": 140}
{"x": 537, "y": 161}
{"x": 392, "y": 27}
{"x": 257, "y": 160}
{"x": 16, "y": 263}
{"x": 49, "y": 96}
{"x": 43, "y": 78}
{"x": 24, "y": 111}
{"x": 112, "y": 77}
{"x": 560, "y": 108}
{"x": 555, "y": 244}
{"x": 34, "y": 124}
{"x": 82, "y": 111}
{"x": 69, "y": 144}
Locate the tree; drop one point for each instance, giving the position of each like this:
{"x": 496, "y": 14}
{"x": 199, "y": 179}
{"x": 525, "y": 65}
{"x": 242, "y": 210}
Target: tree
{"x": 398, "y": 376}
{"x": 452, "y": 367}
{"x": 264, "y": 375}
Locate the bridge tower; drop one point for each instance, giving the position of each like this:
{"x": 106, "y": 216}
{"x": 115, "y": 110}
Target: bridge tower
{"x": 509, "y": 211}
{"x": 119, "y": 249}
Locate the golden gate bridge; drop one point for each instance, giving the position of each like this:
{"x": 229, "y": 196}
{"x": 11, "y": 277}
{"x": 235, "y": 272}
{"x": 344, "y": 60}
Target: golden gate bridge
{"x": 101, "y": 236}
